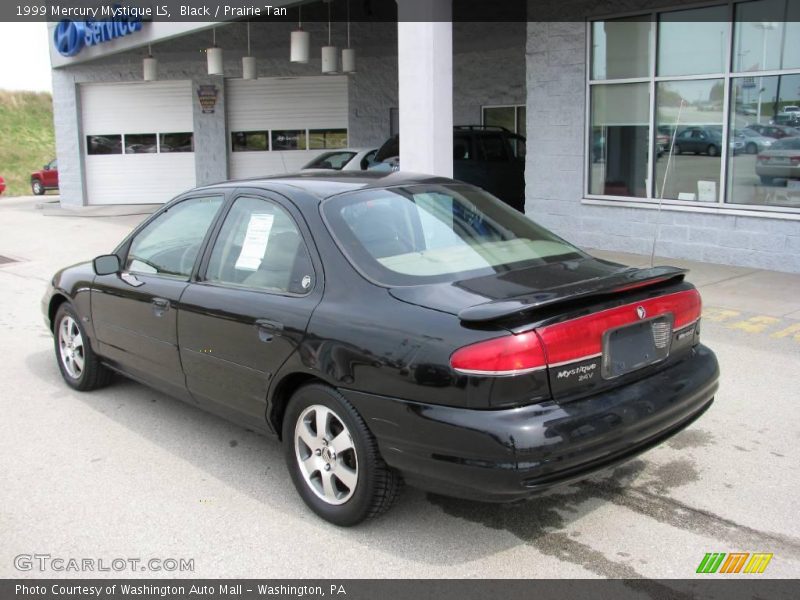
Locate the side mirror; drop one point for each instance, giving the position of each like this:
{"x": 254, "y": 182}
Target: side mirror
{"x": 107, "y": 264}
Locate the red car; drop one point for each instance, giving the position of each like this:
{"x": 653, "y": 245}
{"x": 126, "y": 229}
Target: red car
{"x": 2, "y": 185}
{"x": 46, "y": 179}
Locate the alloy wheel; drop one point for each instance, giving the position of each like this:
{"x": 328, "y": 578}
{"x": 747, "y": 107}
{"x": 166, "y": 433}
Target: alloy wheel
{"x": 71, "y": 349}
{"x": 326, "y": 454}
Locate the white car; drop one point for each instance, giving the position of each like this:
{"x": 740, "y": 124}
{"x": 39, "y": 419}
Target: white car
{"x": 343, "y": 159}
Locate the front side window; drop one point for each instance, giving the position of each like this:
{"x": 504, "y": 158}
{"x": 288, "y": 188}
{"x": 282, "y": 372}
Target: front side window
{"x": 169, "y": 244}
{"x": 425, "y": 234}
{"x": 260, "y": 247}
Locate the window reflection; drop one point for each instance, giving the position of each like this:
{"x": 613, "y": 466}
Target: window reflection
{"x": 766, "y": 170}
{"x": 689, "y": 114}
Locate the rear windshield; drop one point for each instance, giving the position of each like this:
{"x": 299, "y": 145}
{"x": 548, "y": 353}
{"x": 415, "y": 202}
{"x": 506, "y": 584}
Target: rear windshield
{"x": 331, "y": 160}
{"x": 429, "y": 234}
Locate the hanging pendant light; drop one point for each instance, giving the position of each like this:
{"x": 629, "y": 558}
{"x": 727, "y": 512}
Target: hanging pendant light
{"x": 214, "y": 57}
{"x": 348, "y": 54}
{"x": 330, "y": 54}
{"x": 300, "y": 42}
{"x": 150, "y": 65}
{"x": 249, "y": 61}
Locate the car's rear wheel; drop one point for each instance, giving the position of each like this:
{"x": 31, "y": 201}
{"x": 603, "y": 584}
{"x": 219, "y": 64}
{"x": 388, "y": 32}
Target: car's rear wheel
{"x": 37, "y": 187}
{"x": 79, "y": 365}
{"x": 712, "y": 150}
{"x": 333, "y": 458}
{"x": 676, "y": 149}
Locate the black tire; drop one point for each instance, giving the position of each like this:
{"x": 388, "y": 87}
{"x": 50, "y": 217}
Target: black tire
{"x": 37, "y": 188}
{"x": 676, "y": 149}
{"x": 93, "y": 374}
{"x": 377, "y": 485}
{"x": 712, "y": 150}
{"x": 767, "y": 180}
{"x": 751, "y": 148}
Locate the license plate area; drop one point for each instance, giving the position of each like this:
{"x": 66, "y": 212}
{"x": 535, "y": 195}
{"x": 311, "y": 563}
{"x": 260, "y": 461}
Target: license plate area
{"x": 632, "y": 347}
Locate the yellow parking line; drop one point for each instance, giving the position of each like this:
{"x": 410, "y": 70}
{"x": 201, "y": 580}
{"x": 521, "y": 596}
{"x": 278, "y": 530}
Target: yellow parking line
{"x": 792, "y": 330}
{"x": 719, "y": 314}
{"x": 755, "y": 324}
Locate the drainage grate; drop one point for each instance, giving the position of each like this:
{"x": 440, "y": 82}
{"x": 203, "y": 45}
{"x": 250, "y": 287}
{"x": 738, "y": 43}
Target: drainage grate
{"x": 4, "y": 260}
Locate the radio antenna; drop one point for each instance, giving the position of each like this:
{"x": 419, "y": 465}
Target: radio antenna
{"x": 664, "y": 183}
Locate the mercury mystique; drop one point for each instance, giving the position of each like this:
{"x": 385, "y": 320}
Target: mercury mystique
{"x": 390, "y": 328}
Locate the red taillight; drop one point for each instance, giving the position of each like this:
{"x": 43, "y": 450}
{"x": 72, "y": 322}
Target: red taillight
{"x": 576, "y": 339}
{"x": 761, "y": 157}
{"x": 583, "y": 337}
{"x": 509, "y": 355}
{"x": 795, "y": 160}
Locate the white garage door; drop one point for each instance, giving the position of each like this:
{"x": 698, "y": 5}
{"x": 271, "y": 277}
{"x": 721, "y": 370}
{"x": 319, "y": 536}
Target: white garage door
{"x": 138, "y": 141}
{"x": 277, "y": 125}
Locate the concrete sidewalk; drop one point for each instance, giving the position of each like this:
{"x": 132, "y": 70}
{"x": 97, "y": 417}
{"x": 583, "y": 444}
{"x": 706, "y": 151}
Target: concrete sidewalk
{"x": 755, "y": 291}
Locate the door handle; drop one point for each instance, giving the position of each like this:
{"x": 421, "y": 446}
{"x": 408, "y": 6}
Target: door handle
{"x": 268, "y": 329}
{"x": 160, "y": 306}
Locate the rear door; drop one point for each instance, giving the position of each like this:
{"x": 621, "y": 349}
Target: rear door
{"x": 249, "y": 309}
{"x": 135, "y": 311}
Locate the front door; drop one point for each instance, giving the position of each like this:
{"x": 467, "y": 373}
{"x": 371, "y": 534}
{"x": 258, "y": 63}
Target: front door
{"x": 250, "y": 307}
{"x": 135, "y": 311}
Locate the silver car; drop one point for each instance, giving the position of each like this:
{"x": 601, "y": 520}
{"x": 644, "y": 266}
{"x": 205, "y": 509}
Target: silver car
{"x": 781, "y": 161}
{"x": 754, "y": 142}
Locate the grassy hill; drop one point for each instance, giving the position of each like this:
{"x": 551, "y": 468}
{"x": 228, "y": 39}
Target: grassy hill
{"x": 27, "y": 140}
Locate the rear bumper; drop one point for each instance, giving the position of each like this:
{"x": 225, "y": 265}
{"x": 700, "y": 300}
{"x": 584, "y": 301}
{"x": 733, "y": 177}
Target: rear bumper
{"x": 507, "y": 455}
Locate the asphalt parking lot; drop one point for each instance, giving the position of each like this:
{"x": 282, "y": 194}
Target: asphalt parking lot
{"x": 129, "y": 472}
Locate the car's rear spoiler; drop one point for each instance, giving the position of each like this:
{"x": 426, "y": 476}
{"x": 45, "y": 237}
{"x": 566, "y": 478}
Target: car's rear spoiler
{"x": 612, "y": 284}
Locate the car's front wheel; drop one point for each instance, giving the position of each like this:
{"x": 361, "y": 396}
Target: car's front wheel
{"x": 37, "y": 187}
{"x": 79, "y": 365}
{"x": 333, "y": 458}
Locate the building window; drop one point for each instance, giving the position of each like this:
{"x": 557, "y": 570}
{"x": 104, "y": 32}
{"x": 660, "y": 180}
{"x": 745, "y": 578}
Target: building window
{"x": 321, "y": 139}
{"x": 509, "y": 117}
{"x": 686, "y": 107}
{"x": 249, "y": 141}
{"x": 289, "y": 139}
{"x": 104, "y": 144}
{"x": 176, "y": 142}
{"x": 140, "y": 143}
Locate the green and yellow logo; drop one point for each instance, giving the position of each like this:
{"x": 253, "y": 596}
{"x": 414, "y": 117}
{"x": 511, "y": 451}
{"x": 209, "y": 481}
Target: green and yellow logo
{"x": 734, "y": 562}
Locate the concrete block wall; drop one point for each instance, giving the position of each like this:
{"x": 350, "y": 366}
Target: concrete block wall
{"x": 554, "y": 173}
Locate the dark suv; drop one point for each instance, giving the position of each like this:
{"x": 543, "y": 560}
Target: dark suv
{"x": 490, "y": 157}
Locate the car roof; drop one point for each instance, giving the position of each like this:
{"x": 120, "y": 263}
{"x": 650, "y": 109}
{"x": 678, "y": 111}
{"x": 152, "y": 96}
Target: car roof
{"x": 326, "y": 184}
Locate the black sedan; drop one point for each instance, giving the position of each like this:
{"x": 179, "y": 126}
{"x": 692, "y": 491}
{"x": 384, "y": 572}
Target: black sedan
{"x": 388, "y": 328}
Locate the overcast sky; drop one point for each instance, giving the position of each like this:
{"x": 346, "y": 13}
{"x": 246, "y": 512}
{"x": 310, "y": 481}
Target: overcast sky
{"x": 26, "y": 58}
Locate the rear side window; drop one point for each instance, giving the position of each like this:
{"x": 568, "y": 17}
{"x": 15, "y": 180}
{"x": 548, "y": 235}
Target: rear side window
{"x": 331, "y": 160}
{"x": 427, "y": 234}
{"x": 260, "y": 247}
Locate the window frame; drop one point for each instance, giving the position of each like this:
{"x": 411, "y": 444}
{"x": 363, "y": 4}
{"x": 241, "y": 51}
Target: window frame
{"x": 721, "y": 206}
{"x": 297, "y": 218}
